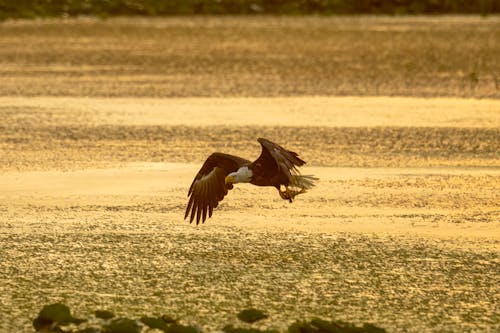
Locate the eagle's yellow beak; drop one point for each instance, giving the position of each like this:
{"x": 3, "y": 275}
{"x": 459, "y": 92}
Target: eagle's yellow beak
{"x": 229, "y": 179}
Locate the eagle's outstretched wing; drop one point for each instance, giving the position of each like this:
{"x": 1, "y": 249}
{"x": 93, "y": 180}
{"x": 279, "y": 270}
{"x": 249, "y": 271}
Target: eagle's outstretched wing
{"x": 208, "y": 187}
{"x": 284, "y": 160}
{"x": 279, "y": 166}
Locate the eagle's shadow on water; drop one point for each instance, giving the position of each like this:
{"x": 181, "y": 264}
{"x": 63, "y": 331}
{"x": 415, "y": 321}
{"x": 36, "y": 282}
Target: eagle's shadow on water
{"x": 57, "y": 317}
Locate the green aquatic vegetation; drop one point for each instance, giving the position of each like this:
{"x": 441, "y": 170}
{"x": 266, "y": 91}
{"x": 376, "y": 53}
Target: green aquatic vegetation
{"x": 105, "y": 8}
{"x": 53, "y": 316}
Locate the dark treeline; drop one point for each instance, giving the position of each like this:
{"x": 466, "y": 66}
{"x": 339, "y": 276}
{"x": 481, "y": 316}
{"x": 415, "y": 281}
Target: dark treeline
{"x": 103, "y": 8}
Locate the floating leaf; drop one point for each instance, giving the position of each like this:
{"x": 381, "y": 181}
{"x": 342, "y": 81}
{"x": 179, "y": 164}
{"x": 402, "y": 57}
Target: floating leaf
{"x": 57, "y": 313}
{"x": 301, "y": 327}
{"x": 251, "y": 315}
{"x": 369, "y": 328}
{"x": 177, "y": 328}
{"x": 231, "y": 329}
{"x": 122, "y": 325}
{"x": 168, "y": 319}
{"x": 153, "y": 322}
{"x": 326, "y": 326}
{"x": 89, "y": 330}
{"x": 323, "y": 326}
{"x": 104, "y": 314}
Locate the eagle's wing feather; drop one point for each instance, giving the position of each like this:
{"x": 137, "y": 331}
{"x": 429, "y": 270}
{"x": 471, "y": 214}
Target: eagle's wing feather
{"x": 208, "y": 187}
{"x": 287, "y": 161}
{"x": 281, "y": 165}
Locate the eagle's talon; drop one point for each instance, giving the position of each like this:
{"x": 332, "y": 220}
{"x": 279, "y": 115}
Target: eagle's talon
{"x": 289, "y": 194}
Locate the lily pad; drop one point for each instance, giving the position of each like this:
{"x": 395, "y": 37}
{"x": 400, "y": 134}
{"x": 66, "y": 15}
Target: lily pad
{"x": 327, "y": 326}
{"x": 251, "y": 315}
{"x": 231, "y": 329}
{"x": 323, "y": 326}
{"x": 301, "y": 327}
{"x": 122, "y": 325}
{"x": 177, "y": 328}
{"x": 104, "y": 314}
{"x": 168, "y": 319}
{"x": 89, "y": 330}
{"x": 56, "y": 313}
{"x": 369, "y": 328}
{"x": 153, "y": 322}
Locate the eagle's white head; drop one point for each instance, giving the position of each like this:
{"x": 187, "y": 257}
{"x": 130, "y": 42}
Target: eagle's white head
{"x": 243, "y": 175}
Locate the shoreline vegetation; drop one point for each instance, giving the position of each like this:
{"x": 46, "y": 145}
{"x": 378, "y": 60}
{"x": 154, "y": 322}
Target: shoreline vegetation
{"x": 105, "y": 8}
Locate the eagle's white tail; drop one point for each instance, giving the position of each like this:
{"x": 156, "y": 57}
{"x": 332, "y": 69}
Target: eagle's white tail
{"x": 305, "y": 182}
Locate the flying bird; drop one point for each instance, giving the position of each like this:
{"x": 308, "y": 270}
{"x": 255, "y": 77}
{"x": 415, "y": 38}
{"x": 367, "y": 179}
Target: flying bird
{"x": 276, "y": 166}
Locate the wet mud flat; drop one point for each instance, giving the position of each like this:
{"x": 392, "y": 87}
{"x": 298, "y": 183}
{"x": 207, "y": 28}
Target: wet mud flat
{"x": 401, "y": 231}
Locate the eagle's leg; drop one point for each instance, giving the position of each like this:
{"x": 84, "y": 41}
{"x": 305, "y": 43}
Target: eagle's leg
{"x": 289, "y": 194}
{"x": 285, "y": 195}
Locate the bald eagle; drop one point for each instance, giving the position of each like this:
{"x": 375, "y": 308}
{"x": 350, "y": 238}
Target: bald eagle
{"x": 275, "y": 166}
